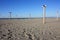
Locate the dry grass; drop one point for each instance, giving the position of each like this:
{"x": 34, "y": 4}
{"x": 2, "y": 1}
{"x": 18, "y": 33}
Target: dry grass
{"x": 29, "y": 29}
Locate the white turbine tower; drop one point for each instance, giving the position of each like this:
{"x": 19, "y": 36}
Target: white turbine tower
{"x": 10, "y": 15}
{"x": 30, "y": 15}
{"x": 57, "y": 15}
{"x": 44, "y": 14}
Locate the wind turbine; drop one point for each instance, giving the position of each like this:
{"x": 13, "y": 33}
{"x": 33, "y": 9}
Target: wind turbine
{"x": 30, "y": 15}
{"x": 57, "y": 15}
{"x": 10, "y": 14}
{"x": 44, "y": 11}
{"x": 44, "y": 14}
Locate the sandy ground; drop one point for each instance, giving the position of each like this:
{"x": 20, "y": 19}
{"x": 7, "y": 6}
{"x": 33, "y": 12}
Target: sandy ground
{"x": 30, "y": 29}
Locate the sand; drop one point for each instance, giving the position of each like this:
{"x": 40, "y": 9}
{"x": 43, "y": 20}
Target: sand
{"x": 30, "y": 29}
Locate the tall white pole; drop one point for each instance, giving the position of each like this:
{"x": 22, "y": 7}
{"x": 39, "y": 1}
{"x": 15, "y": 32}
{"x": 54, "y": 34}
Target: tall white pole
{"x": 44, "y": 14}
{"x": 10, "y": 14}
{"x": 57, "y": 15}
{"x": 30, "y": 15}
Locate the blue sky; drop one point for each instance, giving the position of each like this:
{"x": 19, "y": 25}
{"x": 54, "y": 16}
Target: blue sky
{"x": 22, "y": 8}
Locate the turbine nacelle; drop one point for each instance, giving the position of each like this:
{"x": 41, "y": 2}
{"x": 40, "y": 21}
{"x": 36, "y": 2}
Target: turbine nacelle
{"x": 44, "y": 6}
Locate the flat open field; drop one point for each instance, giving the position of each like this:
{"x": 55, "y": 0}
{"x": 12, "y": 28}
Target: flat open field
{"x": 30, "y": 29}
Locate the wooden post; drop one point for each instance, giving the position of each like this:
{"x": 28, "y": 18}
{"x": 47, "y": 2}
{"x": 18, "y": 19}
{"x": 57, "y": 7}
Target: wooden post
{"x": 44, "y": 14}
